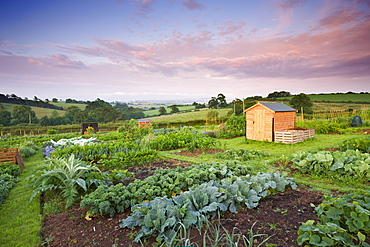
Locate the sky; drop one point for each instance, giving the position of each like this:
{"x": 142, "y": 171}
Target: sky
{"x": 127, "y": 50}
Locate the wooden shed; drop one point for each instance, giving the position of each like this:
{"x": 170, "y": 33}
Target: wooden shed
{"x": 263, "y": 119}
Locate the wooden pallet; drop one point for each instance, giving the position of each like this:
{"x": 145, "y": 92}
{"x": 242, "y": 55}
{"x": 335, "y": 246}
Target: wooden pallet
{"x": 293, "y": 136}
{"x": 12, "y": 155}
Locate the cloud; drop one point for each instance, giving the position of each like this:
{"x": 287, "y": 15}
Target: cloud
{"x": 233, "y": 28}
{"x": 309, "y": 54}
{"x": 193, "y": 5}
{"x": 289, "y": 4}
{"x": 61, "y": 61}
{"x": 145, "y": 5}
{"x": 340, "y": 16}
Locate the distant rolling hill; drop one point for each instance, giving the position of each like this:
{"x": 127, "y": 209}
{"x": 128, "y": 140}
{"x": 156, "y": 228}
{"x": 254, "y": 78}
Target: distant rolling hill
{"x": 343, "y": 97}
{"x": 40, "y": 112}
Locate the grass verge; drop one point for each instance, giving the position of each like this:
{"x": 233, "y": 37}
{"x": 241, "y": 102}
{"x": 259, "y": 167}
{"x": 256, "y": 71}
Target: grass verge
{"x": 21, "y": 221}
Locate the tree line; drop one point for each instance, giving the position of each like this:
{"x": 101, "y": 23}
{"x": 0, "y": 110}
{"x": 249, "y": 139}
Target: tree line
{"x": 95, "y": 111}
{"x": 37, "y": 102}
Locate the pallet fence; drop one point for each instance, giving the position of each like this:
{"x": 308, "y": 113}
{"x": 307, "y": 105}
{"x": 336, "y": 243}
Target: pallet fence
{"x": 12, "y": 155}
{"x": 293, "y": 136}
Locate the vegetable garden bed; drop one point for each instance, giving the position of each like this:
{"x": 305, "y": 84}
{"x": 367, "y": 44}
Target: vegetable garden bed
{"x": 279, "y": 215}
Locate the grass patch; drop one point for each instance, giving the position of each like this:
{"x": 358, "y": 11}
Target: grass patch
{"x": 66, "y": 105}
{"x": 149, "y": 113}
{"x": 193, "y": 116}
{"x": 338, "y": 97}
{"x": 20, "y": 221}
{"x": 39, "y": 111}
{"x": 282, "y": 153}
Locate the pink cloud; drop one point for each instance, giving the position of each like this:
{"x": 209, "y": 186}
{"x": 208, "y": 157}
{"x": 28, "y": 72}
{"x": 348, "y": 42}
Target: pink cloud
{"x": 193, "y": 5}
{"x": 36, "y": 61}
{"x": 340, "y": 16}
{"x": 329, "y": 49}
{"x": 57, "y": 61}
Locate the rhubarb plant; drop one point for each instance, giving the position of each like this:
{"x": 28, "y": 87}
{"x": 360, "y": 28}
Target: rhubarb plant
{"x": 337, "y": 164}
{"x": 344, "y": 220}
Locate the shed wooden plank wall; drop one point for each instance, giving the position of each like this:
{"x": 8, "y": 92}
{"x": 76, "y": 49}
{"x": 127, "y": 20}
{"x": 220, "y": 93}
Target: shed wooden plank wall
{"x": 284, "y": 120}
{"x": 259, "y": 124}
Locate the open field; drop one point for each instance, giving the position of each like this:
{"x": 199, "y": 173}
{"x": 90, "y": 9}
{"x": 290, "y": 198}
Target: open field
{"x": 189, "y": 116}
{"x": 155, "y": 112}
{"x": 66, "y": 105}
{"x": 338, "y": 97}
{"x": 40, "y": 112}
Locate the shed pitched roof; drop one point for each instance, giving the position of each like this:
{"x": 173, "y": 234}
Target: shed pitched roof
{"x": 276, "y": 107}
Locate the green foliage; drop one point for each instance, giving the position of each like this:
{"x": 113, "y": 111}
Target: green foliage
{"x": 233, "y": 127}
{"x": 162, "y": 110}
{"x": 241, "y": 154}
{"x": 65, "y": 174}
{"x": 361, "y": 144}
{"x": 8, "y": 178}
{"x": 10, "y": 168}
{"x": 201, "y": 203}
{"x": 301, "y": 101}
{"x": 132, "y": 131}
{"x": 186, "y": 137}
{"x": 351, "y": 163}
{"x": 343, "y": 219}
{"x": 129, "y": 157}
{"x": 52, "y": 131}
{"x": 324, "y": 126}
{"x": 28, "y": 148}
{"x": 166, "y": 182}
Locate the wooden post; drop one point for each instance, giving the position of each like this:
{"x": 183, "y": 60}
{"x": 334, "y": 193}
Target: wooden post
{"x": 302, "y": 114}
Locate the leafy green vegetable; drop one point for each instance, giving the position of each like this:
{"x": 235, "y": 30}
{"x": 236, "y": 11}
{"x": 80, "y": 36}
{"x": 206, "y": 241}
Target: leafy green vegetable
{"x": 165, "y": 182}
{"x": 337, "y": 164}
{"x": 201, "y": 203}
{"x": 341, "y": 218}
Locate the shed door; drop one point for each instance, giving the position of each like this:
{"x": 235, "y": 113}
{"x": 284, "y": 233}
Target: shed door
{"x": 259, "y": 125}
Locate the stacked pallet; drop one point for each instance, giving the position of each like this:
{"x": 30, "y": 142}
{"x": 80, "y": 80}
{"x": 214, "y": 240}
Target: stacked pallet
{"x": 12, "y": 155}
{"x": 293, "y": 136}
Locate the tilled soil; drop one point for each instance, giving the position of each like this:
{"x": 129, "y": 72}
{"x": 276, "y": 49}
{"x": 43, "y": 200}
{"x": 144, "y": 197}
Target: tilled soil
{"x": 279, "y": 215}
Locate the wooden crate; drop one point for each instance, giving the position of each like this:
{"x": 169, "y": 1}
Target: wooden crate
{"x": 293, "y": 136}
{"x": 12, "y": 155}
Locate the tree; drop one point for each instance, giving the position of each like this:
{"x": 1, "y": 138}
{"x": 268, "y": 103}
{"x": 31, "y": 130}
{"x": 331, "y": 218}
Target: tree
{"x": 104, "y": 114}
{"x": 96, "y": 104}
{"x": 162, "y": 110}
{"x": 279, "y": 94}
{"x": 54, "y": 100}
{"x": 24, "y": 114}
{"x": 221, "y": 101}
{"x": 174, "y": 109}
{"x": 5, "y": 118}
{"x": 237, "y": 106}
{"x": 301, "y": 101}
{"x": 217, "y": 102}
{"x": 75, "y": 114}
{"x": 44, "y": 121}
{"x": 213, "y": 103}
